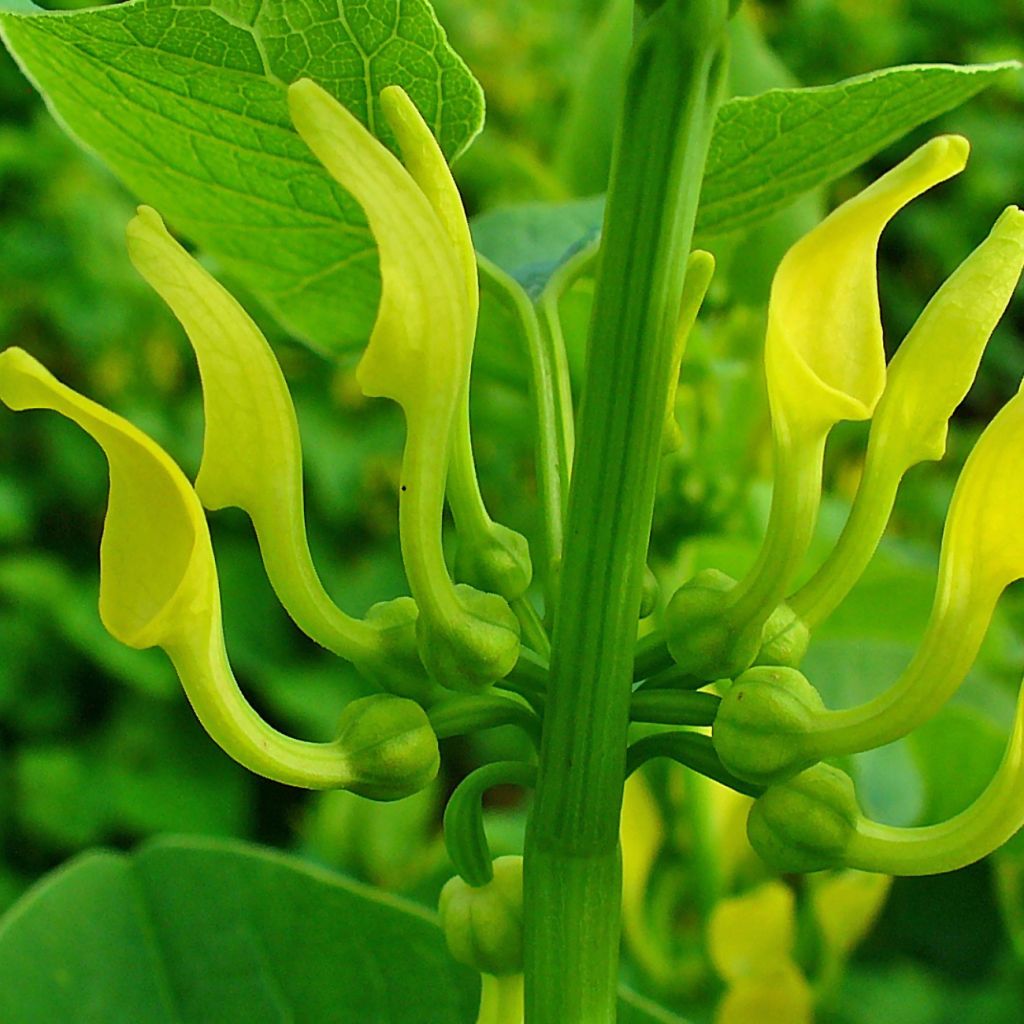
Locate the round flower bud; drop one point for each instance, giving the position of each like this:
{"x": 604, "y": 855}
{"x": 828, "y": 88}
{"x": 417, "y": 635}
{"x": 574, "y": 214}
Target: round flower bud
{"x": 649, "y": 594}
{"x": 397, "y": 668}
{"x": 807, "y": 822}
{"x": 497, "y": 562}
{"x": 389, "y": 745}
{"x": 784, "y": 639}
{"x": 761, "y": 724}
{"x": 475, "y": 649}
{"x": 484, "y": 925}
{"x": 698, "y": 637}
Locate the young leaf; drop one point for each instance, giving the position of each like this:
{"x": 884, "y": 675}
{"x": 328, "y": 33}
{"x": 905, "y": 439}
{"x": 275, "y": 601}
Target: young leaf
{"x": 187, "y": 105}
{"x": 530, "y": 241}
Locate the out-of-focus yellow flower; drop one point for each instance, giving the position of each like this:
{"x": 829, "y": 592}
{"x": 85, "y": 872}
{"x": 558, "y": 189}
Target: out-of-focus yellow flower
{"x": 750, "y": 941}
{"x": 846, "y": 904}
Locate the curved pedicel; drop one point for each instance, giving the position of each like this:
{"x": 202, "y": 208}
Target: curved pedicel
{"x": 158, "y": 588}
{"x": 419, "y": 356}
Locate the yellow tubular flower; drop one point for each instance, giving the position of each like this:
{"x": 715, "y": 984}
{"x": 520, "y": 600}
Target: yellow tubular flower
{"x": 419, "y": 355}
{"x": 927, "y": 379}
{"x": 965, "y": 838}
{"x": 158, "y": 588}
{"x": 499, "y": 557}
{"x": 824, "y": 358}
{"x": 812, "y": 821}
{"x": 982, "y": 553}
{"x": 252, "y": 454}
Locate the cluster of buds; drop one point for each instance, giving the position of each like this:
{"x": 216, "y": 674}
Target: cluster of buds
{"x": 825, "y": 362}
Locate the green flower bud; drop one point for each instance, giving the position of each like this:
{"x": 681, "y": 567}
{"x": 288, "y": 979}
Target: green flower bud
{"x": 761, "y": 726}
{"x": 649, "y": 595}
{"x": 475, "y": 649}
{"x": 389, "y": 745}
{"x": 484, "y": 925}
{"x": 497, "y": 561}
{"x": 699, "y": 637}
{"x": 784, "y": 639}
{"x": 806, "y": 823}
{"x": 396, "y": 666}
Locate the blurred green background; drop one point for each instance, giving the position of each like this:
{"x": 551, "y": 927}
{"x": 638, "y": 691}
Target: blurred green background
{"x": 97, "y": 744}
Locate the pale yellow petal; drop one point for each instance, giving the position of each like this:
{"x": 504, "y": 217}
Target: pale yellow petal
{"x": 753, "y": 933}
{"x": 824, "y": 356}
{"x": 158, "y": 587}
{"x": 252, "y": 453}
{"x": 782, "y": 996}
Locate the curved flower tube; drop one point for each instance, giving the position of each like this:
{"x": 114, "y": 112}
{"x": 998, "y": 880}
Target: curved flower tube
{"x": 927, "y": 379}
{"x": 498, "y": 558}
{"x": 419, "y": 356}
{"x": 824, "y": 359}
{"x": 158, "y": 588}
{"x": 812, "y": 822}
{"x": 995, "y": 816}
{"x": 772, "y": 723}
{"x": 252, "y": 452}
{"x": 982, "y": 553}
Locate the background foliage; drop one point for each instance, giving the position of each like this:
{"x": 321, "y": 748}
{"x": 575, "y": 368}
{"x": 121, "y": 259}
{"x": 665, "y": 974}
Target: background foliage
{"x": 99, "y": 746}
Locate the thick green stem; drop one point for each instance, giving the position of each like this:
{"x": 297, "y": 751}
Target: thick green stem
{"x": 573, "y": 870}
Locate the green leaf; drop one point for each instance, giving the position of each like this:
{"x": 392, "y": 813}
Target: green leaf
{"x": 771, "y": 148}
{"x": 200, "y": 931}
{"x": 767, "y": 151}
{"x": 189, "y": 931}
{"x": 530, "y": 241}
{"x": 185, "y": 101}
